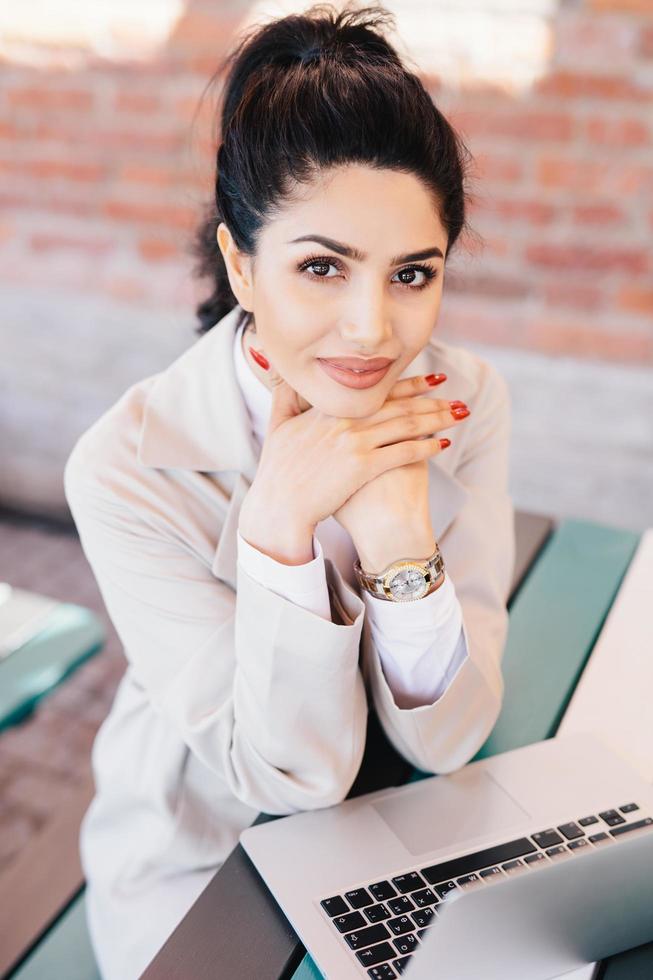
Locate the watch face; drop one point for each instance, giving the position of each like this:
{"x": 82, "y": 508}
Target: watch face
{"x": 408, "y": 583}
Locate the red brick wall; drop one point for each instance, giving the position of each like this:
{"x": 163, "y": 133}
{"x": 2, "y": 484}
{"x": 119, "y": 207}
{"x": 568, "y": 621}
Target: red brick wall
{"x": 101, "y": 177}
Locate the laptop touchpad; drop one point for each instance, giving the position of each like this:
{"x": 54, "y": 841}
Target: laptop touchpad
{"x": 449, "y": 810}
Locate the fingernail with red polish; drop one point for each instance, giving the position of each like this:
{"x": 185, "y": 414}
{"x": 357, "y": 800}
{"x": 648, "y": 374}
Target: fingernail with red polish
{"x": 435, "y": 379}
{"x": 260, "y": 359}
{"x": 444, "y": 443}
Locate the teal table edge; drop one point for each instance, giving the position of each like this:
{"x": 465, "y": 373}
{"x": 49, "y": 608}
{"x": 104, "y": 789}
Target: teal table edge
{"x": 556, "y": 616}
{"x": 70, "y": 635}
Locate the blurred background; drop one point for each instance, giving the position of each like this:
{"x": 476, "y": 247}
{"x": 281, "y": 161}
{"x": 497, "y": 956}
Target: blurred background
{"x": 105, "y": 165}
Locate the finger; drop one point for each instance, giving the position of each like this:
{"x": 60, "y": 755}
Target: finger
{"x": 407, "y": 427}
{"x": 416, "y": 385}
{"x": 403, "y": 407}
{"x": 404, "y": 453}
{"x": 285, "y": 401}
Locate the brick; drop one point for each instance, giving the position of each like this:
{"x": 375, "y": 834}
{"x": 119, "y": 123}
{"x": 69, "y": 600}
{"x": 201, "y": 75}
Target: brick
{"x": 574, "y": 295}
{"x": 497, "y": 168}
{"x": 587, "y": 341}
{"x": 598, "y": 214}
{"x": 575, "y": 85}
{"x": 498, "y": 287}
{"x": 48, "y": 242}
{"x": 645, "y": 43}
{"x": 586, "y": 258}
{"x": 137, "y": 102}
{"x": 49, "y": 169}
{"x": 527, "y": 211}
{"x": 584, "y": 175}
{"x": 174, "y": 216}
{"x": 636, "y": 299}
{"x": 620, "y": 133}
{"x": 156, "y": 250}
{"x": 43, "y": 98}
{"x": 622, "y": 6}
{"x": 530, "y": 126}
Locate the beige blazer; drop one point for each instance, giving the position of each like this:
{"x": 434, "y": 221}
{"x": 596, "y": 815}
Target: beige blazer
{"x": 270, "y": 699}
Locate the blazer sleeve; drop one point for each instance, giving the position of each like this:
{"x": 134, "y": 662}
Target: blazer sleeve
{"x": 267, "y": 694}
{"x": 478, "y": 548}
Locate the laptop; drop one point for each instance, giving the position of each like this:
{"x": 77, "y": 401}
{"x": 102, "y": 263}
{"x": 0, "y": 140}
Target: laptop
{"x": 522, "y": 866}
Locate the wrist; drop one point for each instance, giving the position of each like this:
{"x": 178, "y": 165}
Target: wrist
{"x": 288, "y": 542}
{"x": 418, "y": 543}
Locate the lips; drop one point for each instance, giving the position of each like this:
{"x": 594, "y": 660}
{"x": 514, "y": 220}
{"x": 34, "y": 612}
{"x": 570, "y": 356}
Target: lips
{"x": 358, "y": 363}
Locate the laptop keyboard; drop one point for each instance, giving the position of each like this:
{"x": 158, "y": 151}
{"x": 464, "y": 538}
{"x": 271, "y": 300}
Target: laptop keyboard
{"x": 383, "y": 922}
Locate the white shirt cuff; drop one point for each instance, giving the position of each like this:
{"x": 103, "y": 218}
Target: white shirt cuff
{"x": 305, "y": 585}
{"x": 421, "y": 644}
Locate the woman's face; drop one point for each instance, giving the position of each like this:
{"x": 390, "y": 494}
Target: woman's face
{"x": 312, "y": 301}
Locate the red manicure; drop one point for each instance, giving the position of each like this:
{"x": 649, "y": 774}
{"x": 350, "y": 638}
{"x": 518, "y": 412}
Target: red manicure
{"x": 444, "y": 443}
{"x": 258, "y": 357}
{"x": 435, "y": 379}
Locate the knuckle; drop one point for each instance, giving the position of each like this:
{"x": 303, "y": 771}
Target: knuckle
{"x": 413, "y": 427}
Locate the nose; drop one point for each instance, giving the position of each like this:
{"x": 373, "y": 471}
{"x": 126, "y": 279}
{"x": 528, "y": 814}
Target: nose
{"x": 367, "y": 328}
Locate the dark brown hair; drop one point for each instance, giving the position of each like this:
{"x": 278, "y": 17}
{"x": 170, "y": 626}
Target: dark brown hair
{"x": 308, "y": 92}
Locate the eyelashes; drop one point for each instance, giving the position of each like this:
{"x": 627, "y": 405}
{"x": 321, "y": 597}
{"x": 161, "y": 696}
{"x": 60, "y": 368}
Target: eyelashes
{"x": 325, "y": 260}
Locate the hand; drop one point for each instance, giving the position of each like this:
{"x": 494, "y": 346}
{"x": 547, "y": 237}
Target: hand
{"x": 396, "y": 501}
{"x": 311, "y": 463}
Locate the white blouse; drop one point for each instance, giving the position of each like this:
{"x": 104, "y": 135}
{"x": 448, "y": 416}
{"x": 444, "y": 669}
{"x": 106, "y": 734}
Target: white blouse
{"x": 420, "y": 644}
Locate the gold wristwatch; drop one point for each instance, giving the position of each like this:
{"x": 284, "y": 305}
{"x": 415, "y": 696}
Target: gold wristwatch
{"x": 404, "y": 580}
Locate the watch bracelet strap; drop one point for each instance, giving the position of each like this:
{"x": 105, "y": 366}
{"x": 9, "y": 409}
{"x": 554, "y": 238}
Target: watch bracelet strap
{"x": 374, "y": 582}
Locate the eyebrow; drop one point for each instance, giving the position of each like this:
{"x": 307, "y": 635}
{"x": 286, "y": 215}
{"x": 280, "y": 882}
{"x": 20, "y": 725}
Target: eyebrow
{"x": 354, "y": 253}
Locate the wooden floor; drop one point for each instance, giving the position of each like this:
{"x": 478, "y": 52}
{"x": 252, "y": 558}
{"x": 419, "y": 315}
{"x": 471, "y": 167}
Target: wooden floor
{"x": 45, "y": 757}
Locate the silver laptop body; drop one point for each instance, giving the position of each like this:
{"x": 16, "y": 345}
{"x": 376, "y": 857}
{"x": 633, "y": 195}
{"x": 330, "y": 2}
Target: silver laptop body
{"x": 502, "y": 854}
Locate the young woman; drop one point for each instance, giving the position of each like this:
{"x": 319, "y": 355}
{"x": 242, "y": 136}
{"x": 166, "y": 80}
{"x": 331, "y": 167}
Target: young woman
{"x": 238, "y": 508}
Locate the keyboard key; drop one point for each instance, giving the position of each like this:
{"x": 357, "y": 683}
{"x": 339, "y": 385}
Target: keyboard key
{"x": 627, "y": 827}
{"x": 334, "y": 906}
{"x": 359, "y": 898}
{"x": 398, "y": 906}
{"x": 629, "y": 807}
{"x": 575, "y": 844}
{"x": 479, "y": 859}
{"x": 377, "y": 954}
{"x": 570, "y": 830}
{"x": 491, "y": 872}
{"x": 424, "y": 897}
{"x": 586, "y": 821}
{"x": 612, "y": 818}
{"x": 345, "y": 923}
{"x": 558, "y": 851}
{"x": 423, "y": 917}
{"x": 422, "y": 934}
{"x": 401, "y": 964}
{"x": 382, "y": 890}
{"x": 376, "y": 913}
{"x": 400, "y": 925}
{"x": 537, "y": 858}
{"x": 601, "y": 838}
{"x": 365, "y": 937}
{"x": 514, "y": 867}
{"x": 547, "y": 838}
{"x": 383, "y": 972}
{"x": 446, "y": 887}
{"x": 408, "y": 882}
{"x": 469, "y": 881}
{"x": 407, "y": 944}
